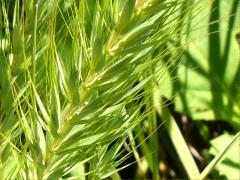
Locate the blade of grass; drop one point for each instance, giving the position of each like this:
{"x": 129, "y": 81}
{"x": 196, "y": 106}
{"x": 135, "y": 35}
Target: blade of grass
{"x": 219, "y": 157}
{"x": 177, "y": 139}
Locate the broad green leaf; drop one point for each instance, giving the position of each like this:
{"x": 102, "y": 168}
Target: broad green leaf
{"x": 222, "y": 153}
{"x": 207, "y": 84}
{"x": 230, "y": 166}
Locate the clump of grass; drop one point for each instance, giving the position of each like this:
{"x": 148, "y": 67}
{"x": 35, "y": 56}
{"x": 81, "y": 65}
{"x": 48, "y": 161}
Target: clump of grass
{"x": 71, "y": 76}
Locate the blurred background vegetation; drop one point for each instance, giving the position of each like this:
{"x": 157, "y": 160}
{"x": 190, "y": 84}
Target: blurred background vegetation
{"x": 193, "y": 109}
{"x": 200, "y": 93}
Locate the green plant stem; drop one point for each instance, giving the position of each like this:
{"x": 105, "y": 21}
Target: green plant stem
{"x": 177, "y": 139}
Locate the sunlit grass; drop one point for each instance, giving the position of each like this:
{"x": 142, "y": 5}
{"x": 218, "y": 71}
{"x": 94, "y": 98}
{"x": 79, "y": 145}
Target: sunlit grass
{"x": 77, "y": 78}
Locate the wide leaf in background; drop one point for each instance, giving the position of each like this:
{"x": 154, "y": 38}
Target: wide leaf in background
{"x": 208, "y": 73}
{"x": 207, "y": 87}
{"x": 230, "y": 166}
